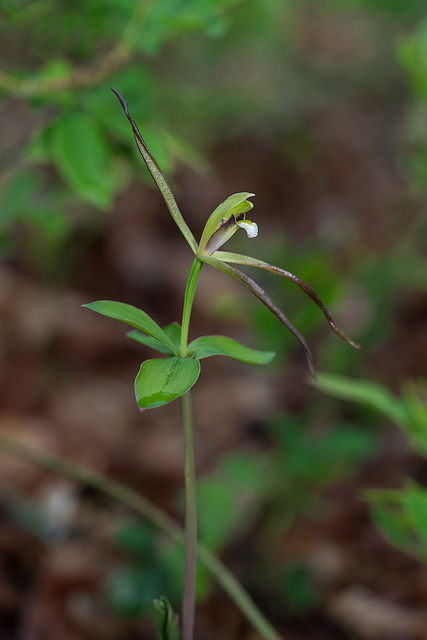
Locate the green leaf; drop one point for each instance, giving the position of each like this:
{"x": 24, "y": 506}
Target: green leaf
{"x": 18, "y": 194}
{"x": 164, "y": 379}
{"x": 414, "y": 502}
{"x": 134, "y": 317}
{"x": 136, "y": 539}
{"x": 393, "y": 525}
{"x": 235, "y": 204}
{"x": 299, "y": 588}
{"x": 149, "y": 341}
{"x": 401, "y": 516}
{"x": 415, "y": 402}
{"x": 82, "y": 157}
{"x": 173, "y": 331}
{"x": 207, "y": 346}
{"x": 364, "y": 392}
{"x": 332, "y": 455}
{"x": 230, "y": 496}
{"x": 165, "y": 620}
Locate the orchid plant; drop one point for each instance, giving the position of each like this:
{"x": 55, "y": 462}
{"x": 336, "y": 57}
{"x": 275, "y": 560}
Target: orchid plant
{"x": 162, "y": 380}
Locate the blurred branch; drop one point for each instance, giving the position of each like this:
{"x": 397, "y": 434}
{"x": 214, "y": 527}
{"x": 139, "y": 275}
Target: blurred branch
{"x": 156, "y": 516}
{"x": 82, "y": 77}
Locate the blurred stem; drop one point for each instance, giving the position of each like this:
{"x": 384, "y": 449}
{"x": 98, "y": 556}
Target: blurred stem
{"x": 88, "y": 76}
{"x": 189, "y": 591}
{"x": 146, "y": 509}
{"x": 190, "y": 290}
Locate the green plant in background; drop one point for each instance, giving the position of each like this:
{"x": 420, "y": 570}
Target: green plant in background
{"x": 400, "y": 514}
{"x": 333, "y": 455}
{"x": 163, "y": 380}
{"x": 69, "y": 51}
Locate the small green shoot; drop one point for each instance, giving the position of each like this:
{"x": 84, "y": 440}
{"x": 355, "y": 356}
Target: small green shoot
{"x": 165, "y": 620}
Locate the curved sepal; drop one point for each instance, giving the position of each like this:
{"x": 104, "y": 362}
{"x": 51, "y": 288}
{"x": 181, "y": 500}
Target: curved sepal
{"x": 236, "y": 258}
{"x": 162, "y": 380}
{"x": 158, "y": 177}
{"x": 135, "y": 318}
{"x": 266, "y": 300}
{"x": 207, "y": 346}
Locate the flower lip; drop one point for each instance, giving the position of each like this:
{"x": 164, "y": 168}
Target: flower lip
{"x": 228, "y": 228}
{"x": 250, "y": 227}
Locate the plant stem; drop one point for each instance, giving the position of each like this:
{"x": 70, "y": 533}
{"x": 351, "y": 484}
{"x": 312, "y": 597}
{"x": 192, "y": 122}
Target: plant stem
{"x": 189, "y": 590}
{"x": 190, "y": 290}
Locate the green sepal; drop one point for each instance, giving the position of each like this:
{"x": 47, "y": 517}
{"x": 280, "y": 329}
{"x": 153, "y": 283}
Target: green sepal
{"x": 207, "y": 346}
{"x": 165, "y": 620}
{"x": 135, "y": 318}
{"x": 173, "y": 331}
{"x": 233, "y": 205}
{"x": 162, "y": 380}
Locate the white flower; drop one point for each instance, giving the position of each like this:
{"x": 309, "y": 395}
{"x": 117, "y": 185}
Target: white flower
{"x": 251, "y": 228}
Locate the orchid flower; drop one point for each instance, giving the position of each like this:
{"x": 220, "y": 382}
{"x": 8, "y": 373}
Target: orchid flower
{"x": 227, "y": 218}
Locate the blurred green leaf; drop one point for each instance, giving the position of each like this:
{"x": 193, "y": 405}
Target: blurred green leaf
{"x": 299, "y": 588}
{"x": 399, "y": 8}
{"x": 82, "y": 158}
{"x": 393, "y": 524}
{"x": 412, "y": 52}
{"x": 207, "y": 346}
{"x": 332, "y": 455}
{"x": 164, "y": 379}
{"x": 173, "y": 559}
{"x": 414, "y": 502}
{"x": 363, "y": 392}
{"x": 136, "y": 539}
{"x": 415, "y": 402}
{"x": 130, "y": 589}
{"x": 228, "y": 498}
{"x": 16, "y": 195}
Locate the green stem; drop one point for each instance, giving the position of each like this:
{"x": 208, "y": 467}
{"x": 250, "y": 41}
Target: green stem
{"x": 189, "y": 590}
{"x": 146, "y": 509}
{"x": 190, "y": 290}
